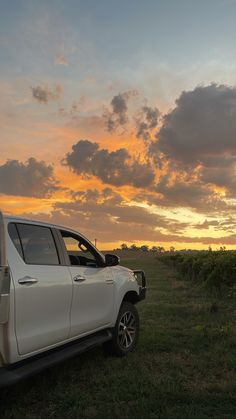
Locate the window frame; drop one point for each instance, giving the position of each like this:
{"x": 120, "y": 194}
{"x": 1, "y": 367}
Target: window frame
{"x": 59, "y": 252}
{"x": 98, "y": 256}
{"x": 21, "y": 254}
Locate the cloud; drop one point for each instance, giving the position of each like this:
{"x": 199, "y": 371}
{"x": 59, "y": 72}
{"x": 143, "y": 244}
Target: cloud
{"x": 118, "y": 116}
{"x": 32, "y": 178}
{"x": 189, "y": 194}
{"x": 146, "y": 122}
{"x": 227, "y": 225}
{"x": 61, "y": 60}
{"x": 44, "y": 94}
{"x": 76, "y": 107}
{"x": 114, "y": 168}
{"x": 220, "y": 171}
{"x": 107, "y": 216}
{"x": 202, "y": 125}
{"x": 206, "y": 224}
{"x": 196, "y": 147}
{"x": 183, "y": 192}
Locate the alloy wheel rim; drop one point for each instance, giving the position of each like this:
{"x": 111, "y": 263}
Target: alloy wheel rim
{"x": 126, "y": 330}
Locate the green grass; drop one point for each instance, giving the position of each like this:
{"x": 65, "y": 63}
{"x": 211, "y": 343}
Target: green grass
{"x": 184, "y": 366}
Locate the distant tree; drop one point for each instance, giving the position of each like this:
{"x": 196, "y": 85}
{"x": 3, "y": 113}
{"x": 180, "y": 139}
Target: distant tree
{"x": 160, "y": 249}
{"x": 154, "y": 249}
{"x": 172, "y": 248}
{"x": 222, "y": 248}
{"x": 124, "y": 246}
{"x": 209, "y": 249}
{"x": 133, "y": 247}
{"x": 144, "y": 248}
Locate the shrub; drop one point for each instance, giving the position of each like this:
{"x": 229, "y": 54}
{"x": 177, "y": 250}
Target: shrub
{"x": 213, "y": 269}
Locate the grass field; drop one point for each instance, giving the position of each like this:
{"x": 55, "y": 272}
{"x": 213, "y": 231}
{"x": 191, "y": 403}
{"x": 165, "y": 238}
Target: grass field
{"x": 184, "y": 366}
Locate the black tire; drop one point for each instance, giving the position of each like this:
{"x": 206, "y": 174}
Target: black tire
{"x": 125, "y": 333}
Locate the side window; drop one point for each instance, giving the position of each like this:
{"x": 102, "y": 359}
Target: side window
{"x": 38, "y": 245}
{"x": 79, "y": 252}
{"x": 13, "y": 233}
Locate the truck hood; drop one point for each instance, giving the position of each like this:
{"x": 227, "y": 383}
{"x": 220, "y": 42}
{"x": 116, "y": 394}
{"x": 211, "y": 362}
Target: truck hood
{"x": 123, "y": 271}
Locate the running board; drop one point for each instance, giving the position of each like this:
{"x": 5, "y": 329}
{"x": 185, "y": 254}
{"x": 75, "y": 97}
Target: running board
{"x": 31, "y": 366}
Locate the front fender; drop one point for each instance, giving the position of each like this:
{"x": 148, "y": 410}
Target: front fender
{"x": 125, "y": 280}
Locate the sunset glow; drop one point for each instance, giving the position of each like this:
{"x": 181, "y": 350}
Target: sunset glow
{"x": 118, "y": 121}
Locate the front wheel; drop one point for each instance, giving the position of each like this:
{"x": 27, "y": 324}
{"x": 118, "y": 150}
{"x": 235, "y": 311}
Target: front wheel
{"x": 126, "y": 331}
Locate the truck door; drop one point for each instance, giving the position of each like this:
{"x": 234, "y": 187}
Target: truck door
{"x": 93, "y": 285}
{"x": 4, "y": 276}
{"x": 43, "y": 287}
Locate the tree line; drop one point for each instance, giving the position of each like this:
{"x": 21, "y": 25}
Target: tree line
{"x": 145, "y": 248}
{"x": 161, "y": 249}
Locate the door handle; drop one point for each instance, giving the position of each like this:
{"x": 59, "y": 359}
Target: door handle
{"x": 27, "y": 280}
{"x": 79, "y": 278}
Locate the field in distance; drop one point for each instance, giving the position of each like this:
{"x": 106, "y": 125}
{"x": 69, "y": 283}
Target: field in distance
{"x": 184, "y": 365}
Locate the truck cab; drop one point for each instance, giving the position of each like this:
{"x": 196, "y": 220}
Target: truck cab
{"x": 60, "y": 296}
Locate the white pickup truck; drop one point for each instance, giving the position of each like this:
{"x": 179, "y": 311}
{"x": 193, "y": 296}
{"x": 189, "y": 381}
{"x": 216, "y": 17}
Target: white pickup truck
{"x": 60, "y": 296}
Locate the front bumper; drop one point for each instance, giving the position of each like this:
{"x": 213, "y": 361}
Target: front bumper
{"x": 140, "y": 277}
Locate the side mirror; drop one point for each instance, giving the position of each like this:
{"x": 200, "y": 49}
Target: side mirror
{"x": 112, "y": 260}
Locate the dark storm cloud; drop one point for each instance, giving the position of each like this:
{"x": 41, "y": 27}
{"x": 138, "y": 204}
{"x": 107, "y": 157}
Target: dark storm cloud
{"x": 198, "y": 140}
{"x": 146, "y": 122}
{"x": 118, "y": 115}
{"x": 202, "y": 124}
{"x": 32, "y": 178}
{"x": 115, "y": 167}
{"x": 44, "y": 94}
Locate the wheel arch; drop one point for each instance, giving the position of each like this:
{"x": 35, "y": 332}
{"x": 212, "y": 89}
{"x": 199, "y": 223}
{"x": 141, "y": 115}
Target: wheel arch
{"x": 131, "y": 296}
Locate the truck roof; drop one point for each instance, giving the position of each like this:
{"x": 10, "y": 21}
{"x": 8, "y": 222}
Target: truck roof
{"x": 29, "y": 220}
{"x": 13, "y": 218}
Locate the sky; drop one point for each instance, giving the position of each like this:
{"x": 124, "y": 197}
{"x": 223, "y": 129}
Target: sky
{"x": 118, "y": 118}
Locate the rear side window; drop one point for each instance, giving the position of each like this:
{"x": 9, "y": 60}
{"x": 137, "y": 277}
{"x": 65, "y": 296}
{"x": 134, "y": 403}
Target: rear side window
{"x": 15, "y": 237}
{"x": 38, "y": 245}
